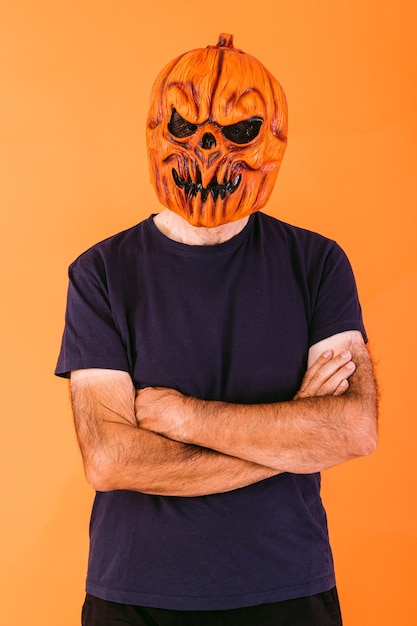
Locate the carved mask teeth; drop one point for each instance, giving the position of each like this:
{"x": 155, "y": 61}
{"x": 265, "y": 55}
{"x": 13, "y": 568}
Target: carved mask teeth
{"x": 216, "y": 189}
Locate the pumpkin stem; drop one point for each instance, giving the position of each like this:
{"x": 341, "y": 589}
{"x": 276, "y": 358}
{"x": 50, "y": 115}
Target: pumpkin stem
{"x": 225, "y": 41}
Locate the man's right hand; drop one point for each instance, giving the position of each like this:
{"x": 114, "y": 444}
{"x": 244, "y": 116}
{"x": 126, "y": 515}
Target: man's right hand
{"x": 328, "y": 376}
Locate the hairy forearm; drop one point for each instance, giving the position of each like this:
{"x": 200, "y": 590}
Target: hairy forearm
{"x": 117, "y": 454}
{"x": 304, "y": 435}
{"x": 138, "y": 460}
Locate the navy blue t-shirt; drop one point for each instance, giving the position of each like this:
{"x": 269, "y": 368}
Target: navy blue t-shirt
{"x": 231, "y": 322}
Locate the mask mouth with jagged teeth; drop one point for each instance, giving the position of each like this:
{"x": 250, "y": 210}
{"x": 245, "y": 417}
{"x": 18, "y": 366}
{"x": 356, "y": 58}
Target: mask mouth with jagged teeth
{"x": 216, "y": 134}
{"x": 214, "y": 188}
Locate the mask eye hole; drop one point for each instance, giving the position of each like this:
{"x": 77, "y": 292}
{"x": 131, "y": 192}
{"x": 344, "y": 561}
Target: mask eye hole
{"x": 179, "y": 127}
{"x": 243, "y": 132}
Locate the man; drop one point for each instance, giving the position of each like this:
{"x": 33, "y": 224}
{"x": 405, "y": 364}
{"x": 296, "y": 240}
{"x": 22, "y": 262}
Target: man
{"x": 217, "y": 363}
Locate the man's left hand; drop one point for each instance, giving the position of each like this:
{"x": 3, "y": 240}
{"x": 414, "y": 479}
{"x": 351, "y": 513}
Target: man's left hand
{"x": 165, "y": 411}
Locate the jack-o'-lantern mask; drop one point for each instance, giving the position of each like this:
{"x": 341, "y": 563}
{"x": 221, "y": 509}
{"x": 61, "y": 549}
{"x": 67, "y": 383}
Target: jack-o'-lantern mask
{"x": 216, "y": 134}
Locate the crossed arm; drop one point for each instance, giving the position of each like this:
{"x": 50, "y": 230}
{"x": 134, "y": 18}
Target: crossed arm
{"x": 159, "y": 441}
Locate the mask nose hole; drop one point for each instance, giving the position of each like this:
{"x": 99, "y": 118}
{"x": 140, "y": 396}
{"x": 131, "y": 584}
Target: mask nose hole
{"x": 208, "y": 141}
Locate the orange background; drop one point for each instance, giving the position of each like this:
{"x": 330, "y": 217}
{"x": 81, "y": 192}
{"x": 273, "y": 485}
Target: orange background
{"x": 74, "y": 82}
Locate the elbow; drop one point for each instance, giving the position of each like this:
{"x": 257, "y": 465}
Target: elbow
{"x": 365, "y": 437}
{"x": 98, "y": 482}
{"x": 366, "y": 444}
{"x": 100, "y": 475}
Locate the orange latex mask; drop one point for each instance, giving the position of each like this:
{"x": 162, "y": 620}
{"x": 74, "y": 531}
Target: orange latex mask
{"x": 216, "y": 134}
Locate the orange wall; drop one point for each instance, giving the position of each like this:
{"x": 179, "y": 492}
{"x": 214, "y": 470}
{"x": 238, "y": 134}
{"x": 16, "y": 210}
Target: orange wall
{"x": 74, "y": 82}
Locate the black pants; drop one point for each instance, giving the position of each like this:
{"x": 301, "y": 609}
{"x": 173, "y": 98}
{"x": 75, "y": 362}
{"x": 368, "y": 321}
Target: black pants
{"x": 318, "y": 610}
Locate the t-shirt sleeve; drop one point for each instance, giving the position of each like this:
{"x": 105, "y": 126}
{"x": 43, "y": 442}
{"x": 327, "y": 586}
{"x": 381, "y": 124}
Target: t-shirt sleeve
{"x": 90, "y": 339}
{"x": 336, "y": 306}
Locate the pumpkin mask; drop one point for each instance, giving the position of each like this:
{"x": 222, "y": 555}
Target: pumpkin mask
{"x": 216, "y": 134}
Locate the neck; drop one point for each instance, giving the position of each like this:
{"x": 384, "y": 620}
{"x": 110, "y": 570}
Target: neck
{"x": 177, "y": 228}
